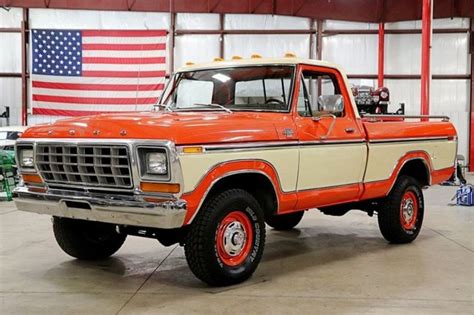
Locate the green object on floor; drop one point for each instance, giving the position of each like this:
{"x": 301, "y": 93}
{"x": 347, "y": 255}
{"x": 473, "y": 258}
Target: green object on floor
{"x": 7, "y": 172}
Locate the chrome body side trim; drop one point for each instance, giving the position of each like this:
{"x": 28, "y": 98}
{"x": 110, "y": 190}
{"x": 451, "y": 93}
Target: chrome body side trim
{"x": 409, "y": 139}
{"x": 379, "y": 117}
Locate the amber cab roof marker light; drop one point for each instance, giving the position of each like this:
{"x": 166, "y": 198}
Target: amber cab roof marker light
{"x": 236, "y": 58}
{"x": 256, "y": 56}
{"x": 218, "y": 59}
{"x": 189, "y": 63}
{"x": 290, "y": 55}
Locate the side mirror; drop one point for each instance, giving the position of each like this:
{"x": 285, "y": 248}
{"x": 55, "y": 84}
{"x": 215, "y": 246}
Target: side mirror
{"x": 331, "y": 104}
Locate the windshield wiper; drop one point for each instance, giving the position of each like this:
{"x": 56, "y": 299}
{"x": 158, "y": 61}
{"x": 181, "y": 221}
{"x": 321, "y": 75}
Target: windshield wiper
{"x": 166, "y": 108}
{"x": 214, "y": 105}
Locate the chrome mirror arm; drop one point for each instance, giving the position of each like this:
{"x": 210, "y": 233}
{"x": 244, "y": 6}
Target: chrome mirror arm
{"x": 331, "y": 127}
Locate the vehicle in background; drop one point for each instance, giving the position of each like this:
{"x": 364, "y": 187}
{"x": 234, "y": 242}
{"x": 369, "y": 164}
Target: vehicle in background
{"x": 8, "y": 136}
{"x": 370, "y": 100}
{"x": 235, "y": 144}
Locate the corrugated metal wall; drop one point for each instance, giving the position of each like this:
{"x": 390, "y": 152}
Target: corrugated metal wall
{"x": 356, "y": 53}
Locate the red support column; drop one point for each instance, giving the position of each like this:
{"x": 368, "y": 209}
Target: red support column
{"x": 425, "y": 56}
{"x": 471, "y": 121}
{"x": 381, "y": 55}
{"x": 24, "y": 67}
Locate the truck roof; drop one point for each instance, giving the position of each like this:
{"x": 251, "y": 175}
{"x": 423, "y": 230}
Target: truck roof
{"x": 220, "y": 63}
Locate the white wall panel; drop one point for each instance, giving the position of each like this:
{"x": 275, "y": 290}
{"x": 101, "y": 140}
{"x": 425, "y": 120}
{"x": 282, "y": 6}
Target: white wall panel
{"x": 451, "y": 98}
{"x": 437, "y": 24}
{"x": 264, "y": 22}
{"x": 194, "y": 21}
{"x": 11, "y": 18}
{"x": 10, "y": 95}
{"x": 266, "y": 45}
{"x": 10, "y": 52}
{"x": 404, "y": 91}
{"x": 84, "y": 19}
{"x": 195, "y": 48}
{"x": 402, "y": 54}
{"x": 357, "y": 54}
{"x": 449, "y": 54}
{"x": 345, "y": 25}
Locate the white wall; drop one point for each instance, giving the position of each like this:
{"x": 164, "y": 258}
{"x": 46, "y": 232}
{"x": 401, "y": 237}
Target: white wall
{"x": 10, "y": 61}
{"x": 356, "y": 53}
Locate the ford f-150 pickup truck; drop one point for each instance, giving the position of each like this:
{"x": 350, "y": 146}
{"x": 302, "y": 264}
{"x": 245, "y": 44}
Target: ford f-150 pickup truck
{"x": 232, "y": 146}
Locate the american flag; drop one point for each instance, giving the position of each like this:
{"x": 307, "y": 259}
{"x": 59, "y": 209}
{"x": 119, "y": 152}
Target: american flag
{"x": 82, "y": 72}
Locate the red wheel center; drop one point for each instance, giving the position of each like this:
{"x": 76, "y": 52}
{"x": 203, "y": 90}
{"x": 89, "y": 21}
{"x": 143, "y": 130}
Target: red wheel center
{"x": 234, "y": 238}
{"x": 409, "y": 210}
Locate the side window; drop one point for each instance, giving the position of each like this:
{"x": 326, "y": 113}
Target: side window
{"x": 319, "y": 94}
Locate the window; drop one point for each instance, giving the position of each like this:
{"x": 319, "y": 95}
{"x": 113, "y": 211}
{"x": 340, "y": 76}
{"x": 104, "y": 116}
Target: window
{"x": 191, "y": 93}
{"x": 269, "y": 93}
{"x": 249, "y": 88}
{"x": 316, "y": 89}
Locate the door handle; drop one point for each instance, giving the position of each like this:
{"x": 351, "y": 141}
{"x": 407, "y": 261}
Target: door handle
{"x": 350, "y": 130}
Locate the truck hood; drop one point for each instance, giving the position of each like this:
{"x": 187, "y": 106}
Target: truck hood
{"x": 180, "y": 127}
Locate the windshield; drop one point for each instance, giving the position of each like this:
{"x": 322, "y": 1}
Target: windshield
{"x": 261, "y": 88}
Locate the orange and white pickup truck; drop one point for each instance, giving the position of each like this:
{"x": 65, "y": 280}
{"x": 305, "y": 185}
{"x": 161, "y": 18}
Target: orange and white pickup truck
{"x": 232, "y": 146}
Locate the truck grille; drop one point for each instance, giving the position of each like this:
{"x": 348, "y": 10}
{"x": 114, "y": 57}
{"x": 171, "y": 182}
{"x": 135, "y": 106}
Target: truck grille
{"x": 85, "y": 165}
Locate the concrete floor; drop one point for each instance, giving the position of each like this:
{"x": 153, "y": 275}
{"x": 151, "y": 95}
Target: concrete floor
{"x": 327, "y": 265}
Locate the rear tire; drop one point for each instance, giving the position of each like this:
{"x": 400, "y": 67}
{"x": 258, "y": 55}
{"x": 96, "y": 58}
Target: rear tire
{"x": 226, "y": 239}
{"x": 87, "y": 240}
{"x": 284, "y": 222}
{"x": 401, "y": 216}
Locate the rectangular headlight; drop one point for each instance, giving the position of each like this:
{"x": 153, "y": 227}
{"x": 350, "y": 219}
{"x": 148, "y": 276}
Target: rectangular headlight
{"x": 25, "y": 157}
{"x": 154, "y": 163}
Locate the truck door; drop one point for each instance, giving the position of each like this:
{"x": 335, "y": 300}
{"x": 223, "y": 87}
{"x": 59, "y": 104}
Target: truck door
{"x": 333, "y": 150}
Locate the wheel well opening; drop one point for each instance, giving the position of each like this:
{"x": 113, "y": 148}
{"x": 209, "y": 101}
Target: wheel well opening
{"x": 256, "y": 184}
{"x": 418, "y": 170}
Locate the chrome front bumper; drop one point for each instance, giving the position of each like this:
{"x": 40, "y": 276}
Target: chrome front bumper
{"x": 110, "y": 208}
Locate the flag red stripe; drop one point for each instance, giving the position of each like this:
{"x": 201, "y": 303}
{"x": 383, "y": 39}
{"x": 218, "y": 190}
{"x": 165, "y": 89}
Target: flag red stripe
{"x": 95, "y": 100}
{"x": 67, "y": 112}
{"x": 124, "y": 60}
{"x": 97, "y": 87}
{"x": 123, "y": 46}
{"x": 124, "y": 74}
{"x": 124, "y": 33}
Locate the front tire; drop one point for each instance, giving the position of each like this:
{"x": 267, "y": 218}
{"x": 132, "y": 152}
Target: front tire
{"x": 87, "y": 240}
{"x": 226, "y": 240}
{"x": 401, "y": 216}
{"x": 284, "y": 222}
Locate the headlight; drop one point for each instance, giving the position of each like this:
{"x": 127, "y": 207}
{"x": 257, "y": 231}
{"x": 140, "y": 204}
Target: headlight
{"x": 25, "y": 157}
{"x": 383, "y": 94}
{"x": 156, "y": 163}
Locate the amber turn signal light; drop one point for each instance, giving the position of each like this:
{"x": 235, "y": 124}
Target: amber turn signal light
{"x": 193, "y": 150}
{"x": 159, "y": 187}
{"x": 32, "y": 178}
